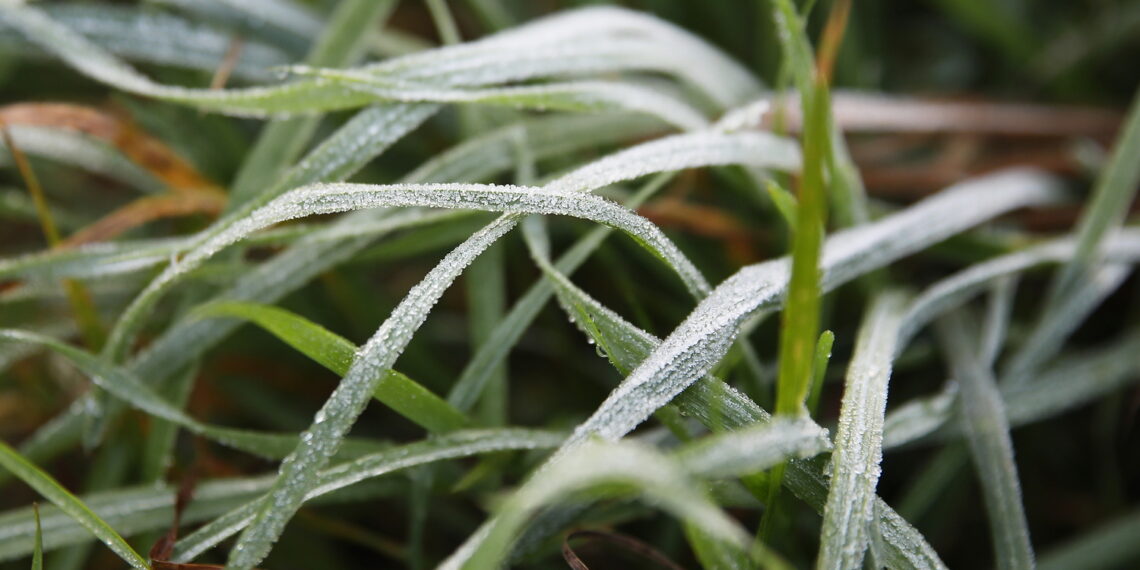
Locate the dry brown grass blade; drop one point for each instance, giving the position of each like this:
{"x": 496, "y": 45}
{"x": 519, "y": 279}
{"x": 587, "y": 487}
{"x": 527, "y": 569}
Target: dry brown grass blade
{"x": 148, "y": 209}
{"x": 145, "y": 150}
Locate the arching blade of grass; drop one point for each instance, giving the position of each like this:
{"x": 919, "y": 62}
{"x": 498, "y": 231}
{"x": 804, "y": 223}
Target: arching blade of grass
{"x": 448, "y": 446}
{"x": 599, "y": 467}
{"x": 856, "y": 459}
{"x": 404, "y": 395}
{"x": 51, "y": 490}
{"x": 987, "y": 431}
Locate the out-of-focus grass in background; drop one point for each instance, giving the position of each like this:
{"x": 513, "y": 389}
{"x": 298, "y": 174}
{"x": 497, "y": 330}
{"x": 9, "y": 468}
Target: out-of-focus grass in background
{"x": 221, "y": 352}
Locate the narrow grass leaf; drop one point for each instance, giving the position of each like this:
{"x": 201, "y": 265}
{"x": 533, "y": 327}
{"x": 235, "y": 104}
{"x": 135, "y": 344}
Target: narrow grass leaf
{"x": 987, "y": 432}
{"x": 51, "y": 490}
{"x": 858, "y": 454}
{"x": 404, "y": 395}
{"x": 38, "y": 548}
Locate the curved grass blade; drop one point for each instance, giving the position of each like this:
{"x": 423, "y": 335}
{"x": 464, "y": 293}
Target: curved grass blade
{"x": 598, "y": 466}
{"x": 858, "y": 454}
{"x": 987, "y": 432}
{"x": 45, "y": 485}
{"x": 408, "y": 397}
{"x": 450, "y": 446}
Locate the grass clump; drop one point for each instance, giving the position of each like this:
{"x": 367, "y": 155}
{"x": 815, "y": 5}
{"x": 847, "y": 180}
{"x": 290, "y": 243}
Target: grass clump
{"x": 329, "y": 171}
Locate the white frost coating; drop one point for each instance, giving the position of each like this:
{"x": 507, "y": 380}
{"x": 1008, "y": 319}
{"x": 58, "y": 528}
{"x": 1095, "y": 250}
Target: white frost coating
{"x": 904, "y": 543}
{"x": 704, "y": 337}
{"x": 753, "y": 449}
{"x": 450, "y": 446}
{"x": 714, "y": 74}
{"x": 657, "y": 478}
{"x": 679, "y": 152}
{"x": 855, "y": 461}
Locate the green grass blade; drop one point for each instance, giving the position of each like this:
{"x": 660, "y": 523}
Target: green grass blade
{"x": 51, "y": 490}
{"x": 404, "y": 395}
{"x": 66, "y": 146}
{"x": 987, "y": 432}
{"x": 858, "y": 454}
{"x": 38, "y": 548}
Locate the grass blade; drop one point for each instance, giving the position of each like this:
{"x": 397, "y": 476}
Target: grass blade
{"x": 404, "y": 395}
{"x": 987, "y": 432}
{"x": 68, "y": 503}
{"x": 856, "y": 459}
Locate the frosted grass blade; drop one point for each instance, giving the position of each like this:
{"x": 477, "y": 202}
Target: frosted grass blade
{"x": 1053, "y": 392}
{"x": 987, "y": 431}
{"x": 698, "y": 343}
{"x": 68, "y": 503}
{"x": 858, "y": 454}
{"x": 282, "y": 141}
{"x": 955, "y": 290}
{"x": 449, "y": 446}
{"x": 753, "y": 449}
